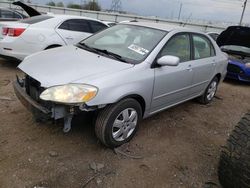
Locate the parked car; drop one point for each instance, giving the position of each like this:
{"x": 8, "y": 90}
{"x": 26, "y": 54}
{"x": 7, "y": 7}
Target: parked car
{"x": 10, "y": 15}
{"x": 214, "y": 35}
{"x": 43, "y": 32}
{"x": 110, "y": 24}
{"x": 235, "y": 42}
{"x": 234, "y": 163}
{"x": 14, "y": 15}
{"x": 123, "y": 74}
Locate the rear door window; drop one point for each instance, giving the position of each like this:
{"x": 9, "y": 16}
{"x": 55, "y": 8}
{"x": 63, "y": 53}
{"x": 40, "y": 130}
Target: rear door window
{"x": 203, "y": 47}
{"x": 78, "y": 25}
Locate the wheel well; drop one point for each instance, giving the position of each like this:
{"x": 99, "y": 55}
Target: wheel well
{"x": 139, "y": 99}
{"x": 218, "y": 76}
{"x": 52, "y": 46}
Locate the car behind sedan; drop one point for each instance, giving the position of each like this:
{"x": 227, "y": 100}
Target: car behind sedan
{"x": 43, "y": 32}
{"x": 123, "y": 74}
{"x": 235, "y": 42}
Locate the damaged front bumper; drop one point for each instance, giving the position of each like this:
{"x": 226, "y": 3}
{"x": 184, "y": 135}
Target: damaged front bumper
{"x": 52, "y": 111}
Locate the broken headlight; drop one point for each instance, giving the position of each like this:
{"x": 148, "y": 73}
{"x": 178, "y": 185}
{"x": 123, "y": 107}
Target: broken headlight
{"x": 69, "y": 93}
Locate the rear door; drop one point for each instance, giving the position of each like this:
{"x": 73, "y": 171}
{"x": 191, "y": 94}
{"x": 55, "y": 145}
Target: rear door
{"x": 74, "y": 30}
{"x": 204, "y": 63}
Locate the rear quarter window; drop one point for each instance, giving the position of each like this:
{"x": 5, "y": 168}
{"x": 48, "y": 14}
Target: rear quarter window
{"x": 96, "y": 26}
{"x": 36, "y": 19}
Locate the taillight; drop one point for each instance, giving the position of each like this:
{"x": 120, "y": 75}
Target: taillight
{"x": 15, "y": 32}
{"x": 5, "y": 31}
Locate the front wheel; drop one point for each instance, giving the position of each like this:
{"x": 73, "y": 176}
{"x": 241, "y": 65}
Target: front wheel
{"x": 210, "y": 92}
{"x": 117, "y": 123}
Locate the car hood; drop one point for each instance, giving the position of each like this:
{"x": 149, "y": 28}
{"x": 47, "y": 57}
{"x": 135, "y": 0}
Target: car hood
{"x": 29, "y": 10}
{"x": 69, "y": 64}
{"x": 235, "y": 35}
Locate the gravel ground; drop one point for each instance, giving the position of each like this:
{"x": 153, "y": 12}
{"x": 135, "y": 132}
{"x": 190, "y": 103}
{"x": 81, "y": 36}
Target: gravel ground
{"x": 176, "y": 148}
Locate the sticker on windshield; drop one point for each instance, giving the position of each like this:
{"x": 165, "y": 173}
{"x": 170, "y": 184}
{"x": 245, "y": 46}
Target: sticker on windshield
{"x": 138, "y": 49}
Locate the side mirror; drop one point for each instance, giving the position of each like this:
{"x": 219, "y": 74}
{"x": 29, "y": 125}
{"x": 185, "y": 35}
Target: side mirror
{"x": 168, "y": 60}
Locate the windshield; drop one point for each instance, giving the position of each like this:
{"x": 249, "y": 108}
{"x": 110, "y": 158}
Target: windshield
{"x": 129, "y": 42}
{"x": 236, "y": 49}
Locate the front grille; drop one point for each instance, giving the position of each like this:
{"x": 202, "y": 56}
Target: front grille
{"x": 33, "y": 88}
{"x": 245, "y": 77}
{"x": 233, "y": 68}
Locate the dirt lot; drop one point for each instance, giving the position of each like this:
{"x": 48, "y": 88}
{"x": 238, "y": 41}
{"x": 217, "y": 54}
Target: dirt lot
{"x": 179, "y": 147}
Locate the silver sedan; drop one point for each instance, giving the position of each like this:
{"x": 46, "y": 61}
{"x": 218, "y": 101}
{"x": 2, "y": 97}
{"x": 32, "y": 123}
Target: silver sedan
{"x": 123, "y": 74}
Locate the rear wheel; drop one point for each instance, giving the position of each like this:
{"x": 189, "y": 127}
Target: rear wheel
{"x": 210, "y": 92}
{"x": 52, "y": 46}
{"x": 234, "y": 165}
{"x": 117, "y": 123}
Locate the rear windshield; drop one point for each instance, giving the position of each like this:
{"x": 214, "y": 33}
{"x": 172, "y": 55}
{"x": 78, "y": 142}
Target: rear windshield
{"x": 36, "y": 19}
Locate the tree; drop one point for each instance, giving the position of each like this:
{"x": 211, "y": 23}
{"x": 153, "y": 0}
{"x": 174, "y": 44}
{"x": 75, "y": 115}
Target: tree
{"x": 75, "y": 6}
{"x": 51, "y": 3}
{"x": 92, "y": 5}
{"x": 60, "y": 4}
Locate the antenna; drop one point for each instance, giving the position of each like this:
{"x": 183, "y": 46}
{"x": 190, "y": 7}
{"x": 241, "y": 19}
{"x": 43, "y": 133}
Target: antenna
{"x": 116, "y": 6}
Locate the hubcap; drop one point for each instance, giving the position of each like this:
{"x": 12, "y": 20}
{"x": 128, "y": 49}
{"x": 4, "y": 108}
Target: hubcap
{"x": 211, "y": 90}
{"x": 124, "y": 124}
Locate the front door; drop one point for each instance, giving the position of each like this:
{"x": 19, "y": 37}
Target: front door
{"x": 172, "y": 83}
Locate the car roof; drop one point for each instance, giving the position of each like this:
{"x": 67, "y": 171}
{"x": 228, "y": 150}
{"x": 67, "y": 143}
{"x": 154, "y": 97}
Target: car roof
{"x": 162, "y": 26}
{"x": 62, "y": 16}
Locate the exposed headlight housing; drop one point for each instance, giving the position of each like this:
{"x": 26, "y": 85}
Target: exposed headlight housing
{"x": 69, "y": 93}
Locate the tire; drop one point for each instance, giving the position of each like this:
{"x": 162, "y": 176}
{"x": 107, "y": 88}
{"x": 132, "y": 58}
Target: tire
{"x": 234, "y": 164}
{"x": 210, "y": 90}
{"x": 105, "y": 128}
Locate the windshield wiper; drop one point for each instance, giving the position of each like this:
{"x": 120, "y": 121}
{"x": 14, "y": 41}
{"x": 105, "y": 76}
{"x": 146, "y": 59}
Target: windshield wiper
{"x": 86, "y": 47}
{"x": 114, "y": 55}
{"x": 101, "y": 51}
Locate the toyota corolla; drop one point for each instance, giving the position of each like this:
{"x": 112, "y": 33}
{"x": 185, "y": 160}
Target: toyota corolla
{"x": 123, "y": 74}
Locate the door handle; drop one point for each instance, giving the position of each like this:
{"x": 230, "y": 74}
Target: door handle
{"x": 189, "y": 68}
{"x": 214, "y": 62}
{"x": 69, "y": 38}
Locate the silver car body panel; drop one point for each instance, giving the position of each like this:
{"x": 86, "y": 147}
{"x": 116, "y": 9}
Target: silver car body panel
{"x": 116, "y": 80}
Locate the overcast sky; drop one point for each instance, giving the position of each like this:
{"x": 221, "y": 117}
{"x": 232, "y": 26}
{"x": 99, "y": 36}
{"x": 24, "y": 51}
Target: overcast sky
{"x": 215, "y": 10}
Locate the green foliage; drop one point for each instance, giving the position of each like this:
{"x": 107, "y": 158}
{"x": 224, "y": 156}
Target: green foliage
{"x": 60, "y": 4}
{"x": 92, "y": 5}
{"x": 51, "y": 3}
{"x": 75, "y": 6}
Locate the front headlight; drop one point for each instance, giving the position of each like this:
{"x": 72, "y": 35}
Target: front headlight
{"x": 70, "y": 93}
{"x": 248, "y": 65}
